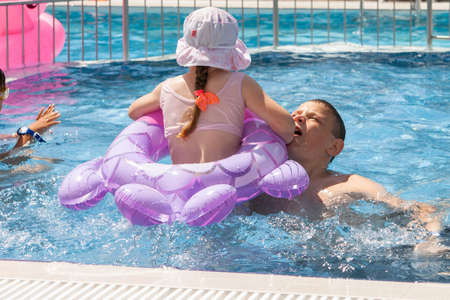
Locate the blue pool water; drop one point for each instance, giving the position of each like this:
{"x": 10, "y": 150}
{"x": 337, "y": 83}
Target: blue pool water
{"x": 298, "y": 32}
{"x": 396, "y": 109}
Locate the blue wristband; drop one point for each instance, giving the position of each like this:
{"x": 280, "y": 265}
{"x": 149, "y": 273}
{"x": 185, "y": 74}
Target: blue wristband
{"x": 34, "y": 134}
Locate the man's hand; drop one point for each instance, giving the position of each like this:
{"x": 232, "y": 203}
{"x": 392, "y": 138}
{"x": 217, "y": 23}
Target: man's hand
{"x": 425, "y": 214}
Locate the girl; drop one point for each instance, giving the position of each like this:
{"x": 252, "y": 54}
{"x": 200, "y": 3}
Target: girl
{"x": 204, "y": 109}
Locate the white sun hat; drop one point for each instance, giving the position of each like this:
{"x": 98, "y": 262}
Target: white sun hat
{"x": 211, "y": 39}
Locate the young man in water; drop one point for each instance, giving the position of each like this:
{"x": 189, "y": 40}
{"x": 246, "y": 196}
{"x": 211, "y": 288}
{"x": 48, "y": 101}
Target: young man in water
{"x": 318, "y": 138}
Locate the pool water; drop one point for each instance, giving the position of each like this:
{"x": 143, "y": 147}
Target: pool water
{"x": 396, "y": 109}
{"x": 298, "y": 33}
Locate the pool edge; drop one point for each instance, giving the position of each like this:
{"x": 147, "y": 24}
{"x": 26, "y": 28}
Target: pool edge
{"x": 21, "y": 278}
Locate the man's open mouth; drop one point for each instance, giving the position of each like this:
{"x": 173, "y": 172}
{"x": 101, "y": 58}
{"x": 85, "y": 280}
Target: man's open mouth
{"x": 298, "y": 131}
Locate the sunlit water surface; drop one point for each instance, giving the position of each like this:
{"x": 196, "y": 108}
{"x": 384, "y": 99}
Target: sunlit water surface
{"x": 396, "y": 109}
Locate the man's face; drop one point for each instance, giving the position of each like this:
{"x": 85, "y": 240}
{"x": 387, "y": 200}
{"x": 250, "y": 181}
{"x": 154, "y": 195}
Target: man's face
{"x": 313, "y": 132}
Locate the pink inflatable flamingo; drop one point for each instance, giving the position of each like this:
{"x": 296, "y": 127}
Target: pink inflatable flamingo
{"x": 28, "y": 37}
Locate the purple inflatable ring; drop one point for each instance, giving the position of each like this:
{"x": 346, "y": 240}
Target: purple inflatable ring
{"x": 147, "y": 192}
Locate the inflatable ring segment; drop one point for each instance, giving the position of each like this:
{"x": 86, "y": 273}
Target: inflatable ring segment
{"x": 147, "y": 192}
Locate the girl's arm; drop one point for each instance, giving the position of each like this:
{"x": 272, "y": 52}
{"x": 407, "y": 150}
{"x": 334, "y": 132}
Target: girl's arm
{"x": 145, "y": 104}
{"x": 278, "y": 118}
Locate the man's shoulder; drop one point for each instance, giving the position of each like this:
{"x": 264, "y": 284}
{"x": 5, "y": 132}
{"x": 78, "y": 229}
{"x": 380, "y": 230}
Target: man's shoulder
{"x": 347, "y": 178}
{"x": 363, "y": 182}
{"x": 353, "y": 184}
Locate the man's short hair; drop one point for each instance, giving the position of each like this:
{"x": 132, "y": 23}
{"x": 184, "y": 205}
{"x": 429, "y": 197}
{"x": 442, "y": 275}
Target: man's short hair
{"x": 338, "y": 127}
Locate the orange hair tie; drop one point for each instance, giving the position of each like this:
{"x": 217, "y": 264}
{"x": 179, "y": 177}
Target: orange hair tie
{"x": 204, "y": 99}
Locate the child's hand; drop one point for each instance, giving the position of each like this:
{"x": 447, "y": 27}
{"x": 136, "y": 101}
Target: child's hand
{"x": 45, "y": 119}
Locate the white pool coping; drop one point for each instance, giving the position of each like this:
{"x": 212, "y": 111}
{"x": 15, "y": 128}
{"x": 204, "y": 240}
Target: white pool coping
{"x": 61, "y": 280}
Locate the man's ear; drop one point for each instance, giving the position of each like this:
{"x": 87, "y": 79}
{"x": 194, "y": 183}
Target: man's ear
{"x": 335, "y": 147}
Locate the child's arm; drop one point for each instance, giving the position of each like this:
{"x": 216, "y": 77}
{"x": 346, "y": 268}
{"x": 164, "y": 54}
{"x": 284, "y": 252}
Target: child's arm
{"x": 145, "y": 104}
{"x": 45, "y": 119}
{"x": 8, "y": 136}
{"x": 278, "y": 118}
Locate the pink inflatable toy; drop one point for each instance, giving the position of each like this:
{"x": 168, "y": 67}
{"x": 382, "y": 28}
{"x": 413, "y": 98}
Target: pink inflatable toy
{"x": 37, "y": 37}
{"x": 148, "y": 193}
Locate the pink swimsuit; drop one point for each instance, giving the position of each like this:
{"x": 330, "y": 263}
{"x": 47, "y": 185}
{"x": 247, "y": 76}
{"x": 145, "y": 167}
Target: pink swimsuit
{"x": 227, "y": 115}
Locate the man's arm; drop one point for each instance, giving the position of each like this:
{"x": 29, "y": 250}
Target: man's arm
{"x": 421, "y": 212}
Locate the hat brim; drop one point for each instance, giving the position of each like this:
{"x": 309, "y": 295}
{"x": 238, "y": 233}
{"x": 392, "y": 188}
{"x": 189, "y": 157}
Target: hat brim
{"x": 232, "y": 59}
